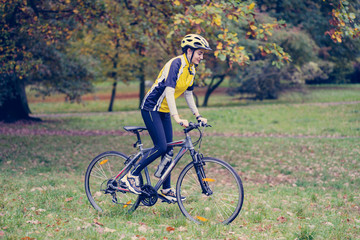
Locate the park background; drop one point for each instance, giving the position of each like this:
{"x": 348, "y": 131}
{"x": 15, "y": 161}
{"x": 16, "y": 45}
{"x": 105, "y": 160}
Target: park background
{"x": 281, "y": 89}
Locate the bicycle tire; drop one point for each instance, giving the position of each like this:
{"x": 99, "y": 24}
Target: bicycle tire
{"x": 101, "y": 169}
{"x": 223, "y": 205}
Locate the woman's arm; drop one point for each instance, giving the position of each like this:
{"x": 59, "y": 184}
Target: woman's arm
{"x": 191, "y": 103}
{"x": 169, "y": 94}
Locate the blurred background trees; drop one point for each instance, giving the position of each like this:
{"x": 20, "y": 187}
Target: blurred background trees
{"x": 263, "y": 46}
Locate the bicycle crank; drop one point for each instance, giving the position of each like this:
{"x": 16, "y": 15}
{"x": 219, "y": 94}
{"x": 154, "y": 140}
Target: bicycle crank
{"x": 149, "y": 195}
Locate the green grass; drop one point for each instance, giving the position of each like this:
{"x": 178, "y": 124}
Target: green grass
{"x": 296, "y": 187}
{"x": 297, "y": 120}
{"x": 312, "y": 94}
{"x": 293, "y": 188}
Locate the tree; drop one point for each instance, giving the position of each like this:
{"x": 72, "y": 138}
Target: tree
{"x": 154, "y": 31}
{"x": 131, "y": 38}
{"x": 33, "y": 41}
{"x": 232, "y": 28}
{"x": 332, "y": 24}
{"x": 344, "y": 20}
{"x": 109, "y": 46}
{"x": 261, "y": 80}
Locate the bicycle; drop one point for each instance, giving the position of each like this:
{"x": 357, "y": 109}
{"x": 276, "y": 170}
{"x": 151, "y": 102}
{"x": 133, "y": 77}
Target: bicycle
{"x": 213, "y": 190}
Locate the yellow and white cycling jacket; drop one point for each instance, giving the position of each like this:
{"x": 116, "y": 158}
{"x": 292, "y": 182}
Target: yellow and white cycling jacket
{"x": 174, "y": 74}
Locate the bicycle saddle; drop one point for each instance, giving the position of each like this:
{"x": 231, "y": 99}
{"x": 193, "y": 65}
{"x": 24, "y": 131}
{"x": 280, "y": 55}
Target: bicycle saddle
{"x": 134, "y": 128}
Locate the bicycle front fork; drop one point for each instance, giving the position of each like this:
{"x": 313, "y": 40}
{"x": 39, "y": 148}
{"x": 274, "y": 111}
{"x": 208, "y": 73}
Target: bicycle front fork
{"x": 203, "y": 180}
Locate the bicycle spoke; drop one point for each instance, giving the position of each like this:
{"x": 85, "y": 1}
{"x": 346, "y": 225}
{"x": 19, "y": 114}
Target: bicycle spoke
{"x": 103, "y": 168}
{"x": 226, "y": 207}
{"x": 225, "y": 202}
{"x": 100, "y": 170}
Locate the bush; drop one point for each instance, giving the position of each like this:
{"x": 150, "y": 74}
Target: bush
{"x": 261, "y": 80}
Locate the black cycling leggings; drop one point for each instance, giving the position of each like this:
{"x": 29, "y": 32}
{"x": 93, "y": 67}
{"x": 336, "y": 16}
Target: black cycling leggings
{"x": 159, "y": 127}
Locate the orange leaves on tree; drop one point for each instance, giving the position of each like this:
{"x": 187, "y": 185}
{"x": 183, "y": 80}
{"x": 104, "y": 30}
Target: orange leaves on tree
{"x": 344, "y": 23}
{"x": 251, "y": 6}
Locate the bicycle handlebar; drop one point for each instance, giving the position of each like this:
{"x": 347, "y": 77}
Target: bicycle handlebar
{"x": 193, "y": 126}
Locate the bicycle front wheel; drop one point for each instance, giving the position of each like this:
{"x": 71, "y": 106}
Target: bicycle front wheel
{"x": 103, "y": 192}
{"x": 218, "y": 201}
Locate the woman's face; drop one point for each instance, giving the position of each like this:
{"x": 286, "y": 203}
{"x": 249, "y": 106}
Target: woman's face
{"x": 198, "y": 56}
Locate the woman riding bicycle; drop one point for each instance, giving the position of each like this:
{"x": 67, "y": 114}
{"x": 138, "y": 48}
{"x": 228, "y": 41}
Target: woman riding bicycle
{"x": 158, "y": 106}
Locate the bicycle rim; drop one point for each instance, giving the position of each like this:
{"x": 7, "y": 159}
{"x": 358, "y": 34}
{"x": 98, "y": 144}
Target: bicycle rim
{"x": 225, "y": 202}
{"x": 102, "y": 169}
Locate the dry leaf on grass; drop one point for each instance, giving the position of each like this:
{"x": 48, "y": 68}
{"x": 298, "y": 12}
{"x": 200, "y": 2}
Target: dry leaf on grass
{"x": 170, "y": 229}
{"x": 105, "y": 230}
{"x": 281, "y": 219}
{"x": 97, "y": 222}
{"x": 34, "y": 222}
{"x": 69, "y": 199}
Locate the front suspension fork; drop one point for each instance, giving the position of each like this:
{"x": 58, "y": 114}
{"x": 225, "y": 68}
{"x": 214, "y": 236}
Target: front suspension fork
{"x": 203, "y": 180}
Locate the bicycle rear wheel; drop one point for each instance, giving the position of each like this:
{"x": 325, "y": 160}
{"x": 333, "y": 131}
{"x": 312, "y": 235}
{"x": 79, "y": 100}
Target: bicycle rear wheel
{"x": 224, "y": 200}
{"x": 103, "y": 192}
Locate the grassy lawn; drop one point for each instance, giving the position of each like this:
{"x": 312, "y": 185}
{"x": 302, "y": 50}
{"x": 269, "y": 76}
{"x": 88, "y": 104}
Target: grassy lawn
{"x": 300, "y": 166}
{"x": 312, "y": 94}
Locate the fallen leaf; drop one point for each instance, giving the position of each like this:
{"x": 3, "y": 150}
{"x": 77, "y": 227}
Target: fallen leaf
{"x": 143, "y": 228}
{"x": 37, "y": 189}
{"x": 260, "y": 229}
{"x": 34, "y": 222}
{"x": 329, "y": 224}
{"x": 97, "y": 222}
{"x": 182, "y": 229}
{"x": 109, "y": 230}
{"x": 100, "y": 230}
{"x": 281, "y": 219}
{"x": 170, "y": 229}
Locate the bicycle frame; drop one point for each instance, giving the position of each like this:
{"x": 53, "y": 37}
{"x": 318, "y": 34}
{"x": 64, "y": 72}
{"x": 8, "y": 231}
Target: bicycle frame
{"x": 186, "y": 145}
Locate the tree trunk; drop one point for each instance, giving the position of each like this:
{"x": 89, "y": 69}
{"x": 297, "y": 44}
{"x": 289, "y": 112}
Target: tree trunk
{"x": 212, "y": 87}
{"x": 13, "y": 105}
{"x": 114, "y": 76}
{"x": 142, "y": 85}
{"x": 113, "y": 94}
{"x": 142, "y": 74}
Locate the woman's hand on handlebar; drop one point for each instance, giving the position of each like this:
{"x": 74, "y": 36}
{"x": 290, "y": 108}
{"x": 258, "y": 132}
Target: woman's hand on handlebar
{"x": 182, "y": 122}
{"x": 202, "y": 120}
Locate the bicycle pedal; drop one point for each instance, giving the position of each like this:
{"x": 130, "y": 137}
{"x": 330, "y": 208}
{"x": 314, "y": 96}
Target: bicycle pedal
{"x": 164, "y": 199}
{"x": 114, "y": 199}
